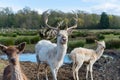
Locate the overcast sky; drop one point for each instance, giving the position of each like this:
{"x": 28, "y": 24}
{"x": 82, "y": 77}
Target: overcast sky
{"x": 91, "y": 6}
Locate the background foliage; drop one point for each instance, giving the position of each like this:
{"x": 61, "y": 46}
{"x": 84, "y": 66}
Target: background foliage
{"x": 31, "y": 19}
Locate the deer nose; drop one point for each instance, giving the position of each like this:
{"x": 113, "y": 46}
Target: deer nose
{"x": 64, "y": 39}
{"x": 13, "y": 60}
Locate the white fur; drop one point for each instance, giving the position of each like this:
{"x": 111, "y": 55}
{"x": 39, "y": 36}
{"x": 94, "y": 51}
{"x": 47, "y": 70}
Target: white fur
{"x": 51, "y": 53}
{"x": 81, "y": 55}
{"x": 42, "y": 48}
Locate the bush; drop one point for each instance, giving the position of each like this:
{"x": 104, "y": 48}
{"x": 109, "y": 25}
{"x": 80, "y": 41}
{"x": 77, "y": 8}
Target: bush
{"x": 34, "y": 40}
{"x": 74, "y": 44}
{"x": 78, "y": 34}
{"x": 116, "y": 33}
{"x": 9, "y": 34}
{"x": 22, "y": 39}
{"x": 100, "y": 36}
{"x": 26, "y": 33}
{"x": 28, "y": 40}
{"x": 107, "y": 32}
{"x": 7, "y": 41}
{"x": 90, "y": 39}
{"x": 113, "y": 44}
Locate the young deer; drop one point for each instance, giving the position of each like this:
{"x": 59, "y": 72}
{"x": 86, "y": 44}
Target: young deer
{"x": 13, "y": 70}
{"x": 52, "y": 53}
{"x": 80, "y": 55}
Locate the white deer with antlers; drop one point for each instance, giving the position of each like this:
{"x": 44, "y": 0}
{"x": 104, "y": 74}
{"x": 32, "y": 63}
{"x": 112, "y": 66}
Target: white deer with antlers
{"x": 53, "y": 53}
{"x": 80, "y": 55}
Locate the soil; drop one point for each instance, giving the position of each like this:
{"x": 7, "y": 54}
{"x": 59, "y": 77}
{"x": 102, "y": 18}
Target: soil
{"x": 106, "y": 68}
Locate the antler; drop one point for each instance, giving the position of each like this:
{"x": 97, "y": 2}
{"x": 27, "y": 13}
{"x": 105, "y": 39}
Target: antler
{"x": 60, "y": 23}
{"x": 45, "y": 16}
{"x": 76, "y": 19}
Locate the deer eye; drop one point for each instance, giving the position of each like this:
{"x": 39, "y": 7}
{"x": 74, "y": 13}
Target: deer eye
{"x": 100, "y": 44}
{"x": 59, "y": 35}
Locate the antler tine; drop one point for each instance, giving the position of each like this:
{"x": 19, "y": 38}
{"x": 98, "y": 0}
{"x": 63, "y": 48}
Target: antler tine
{"x": 41, "y": 26}
{"x": 45, "y": 16}
{"x": 76, "y": 19}
{"x": 60, "y": 23}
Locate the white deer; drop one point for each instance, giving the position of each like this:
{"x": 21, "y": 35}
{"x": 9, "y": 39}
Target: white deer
{"x": 80, "y": 55}
{"x": 51, "y": 53}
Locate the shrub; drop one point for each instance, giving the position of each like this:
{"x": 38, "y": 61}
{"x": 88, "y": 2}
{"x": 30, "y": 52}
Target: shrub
{"x": 107, "y": 32}
{"x": 34, "y": 40}
{"x": 26, "y": 33}
{"x": 113, "y": 44}
{"x": 100, "y": 36}
{"x": 22, "y": 39}
{"x": 78, "y": 34}
{"x": 116, "y": 33}
{"x": 9, "y": 34}
{"x": 28, "y": 40}
{"x": 90, "y": 39}
{"x": 74, "y": 44}
{"x": 7, "y": 41}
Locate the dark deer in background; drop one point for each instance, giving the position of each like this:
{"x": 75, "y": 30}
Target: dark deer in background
{"x": 47, "y": 33}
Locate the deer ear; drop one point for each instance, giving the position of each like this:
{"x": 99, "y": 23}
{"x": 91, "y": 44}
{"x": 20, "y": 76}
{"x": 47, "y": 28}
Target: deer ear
{"x": 69, "y": 31}
{"x": 21, "y": 46}
{"x": 57, "y": 31}
{"x": 96, "y": 41}
{"x": 3, "y": 48}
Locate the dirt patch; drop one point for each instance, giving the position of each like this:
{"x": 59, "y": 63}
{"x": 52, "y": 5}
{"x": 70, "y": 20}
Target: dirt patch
{"x": 106, "y": 68}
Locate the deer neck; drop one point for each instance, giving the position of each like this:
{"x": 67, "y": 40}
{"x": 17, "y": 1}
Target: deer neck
{"x": 61, "y": 51}
{"x": 99, "y": 52}
{"x": 16, "y": 72}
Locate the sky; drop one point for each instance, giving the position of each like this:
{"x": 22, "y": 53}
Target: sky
{"x": 90, "y": 6}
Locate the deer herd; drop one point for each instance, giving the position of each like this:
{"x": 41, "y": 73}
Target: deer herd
{"x": 52, "y": 54}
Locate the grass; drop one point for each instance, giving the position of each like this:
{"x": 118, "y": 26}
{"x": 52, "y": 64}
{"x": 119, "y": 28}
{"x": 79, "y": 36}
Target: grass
{"x": 30, "y": 48}
{"x": 78, "y": 37}
{"x": 2, "y": 65}
{"x": 111, "y": 36}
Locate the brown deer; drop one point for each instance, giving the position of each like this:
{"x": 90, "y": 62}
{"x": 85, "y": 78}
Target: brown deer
{"x": 13, "y": 70}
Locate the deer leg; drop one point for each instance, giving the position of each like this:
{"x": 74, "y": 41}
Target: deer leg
{"x": 88, "y": 67}
{"x": 73, "y": 69}
{"x": 38, "y": 67}
{"x": 46, "y": 76}
{"x": 91, "y": 65}
{"x": 77, "y": 69}
{"x": 54, "y": 74}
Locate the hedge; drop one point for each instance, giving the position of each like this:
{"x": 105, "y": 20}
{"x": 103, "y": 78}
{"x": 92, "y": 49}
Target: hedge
{"x": 112, "y": 44}
{"x": 74, "y": 44}
{"x": 7, "y": 41}
{"x": 90, "y": 39}
{"x": 100, "y": 36}
{"x": 11, "y": 41}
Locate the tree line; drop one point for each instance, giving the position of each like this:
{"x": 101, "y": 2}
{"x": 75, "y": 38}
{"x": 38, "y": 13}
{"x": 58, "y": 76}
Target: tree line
{"x": 31, "y": 19}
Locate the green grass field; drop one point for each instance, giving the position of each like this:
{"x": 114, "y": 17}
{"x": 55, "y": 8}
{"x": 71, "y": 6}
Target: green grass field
{"x": 77, "y": 36}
